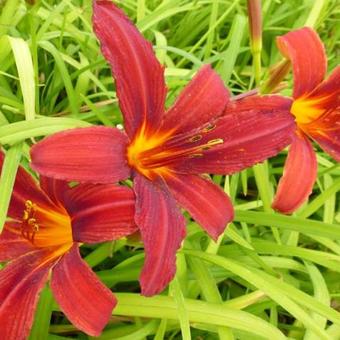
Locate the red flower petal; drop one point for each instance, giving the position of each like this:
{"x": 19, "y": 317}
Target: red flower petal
{"x": 25, "y": 188}
{"x": 204, "y": 200}
{"x": 13, "y": 245}
{"x": 94, "y": 154}
{"x": 329, "y": 89}
{"x": 329, "y": 136}
{"x": 100, "y": 212}
{"x": 86, "y": 302}
{"x": 252, "y": 130}
{"x": 20, "y": 283}
{"x": 54, "y": 188}
{"x": 298, "y": 178}
{"x": 203, "y": 99}
{"x": 139, "y": 76}
{"x": 162, "y": 229}
{"x": 307, "y": 54}
{"x": 326, "y": 130}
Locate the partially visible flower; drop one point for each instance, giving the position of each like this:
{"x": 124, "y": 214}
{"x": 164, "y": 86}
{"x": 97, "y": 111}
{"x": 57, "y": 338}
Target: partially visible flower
{"x": 316, "y": 108}
{"x": 166, "y": 152}
{"x": 41, "y": 238}
{"x": 276, "y": 74}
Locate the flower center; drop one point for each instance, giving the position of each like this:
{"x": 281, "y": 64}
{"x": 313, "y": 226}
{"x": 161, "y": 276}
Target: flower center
{"x": 306, "y": 110}
{"x": 46, "y": 227}
{"x": 155, "y": 154}
{"x": 141, "y": 144}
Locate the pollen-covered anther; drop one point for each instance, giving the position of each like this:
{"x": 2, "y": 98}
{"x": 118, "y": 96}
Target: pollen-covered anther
{"x": 208, "y": 128}
{"x": 195, "y": 155}
{"x": 29, "y": 226}
{"x": 216, "y": 141}
{"x": 211, "y": 144}
{"x": 195, "y": 138}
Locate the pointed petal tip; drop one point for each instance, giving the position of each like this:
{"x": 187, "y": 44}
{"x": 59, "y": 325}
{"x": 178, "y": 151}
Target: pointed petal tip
{"x": 276, "y": 206}
{"x": 206, "y": 202}
{"x": 202, "y": 100}
{"x": 162, "y": 228}
{"x": 84, "y": 299}
{"x": 299, "y": 175}
{"x": 139, "y": 76}
{"x": 309, "y": 68}
{"x": 149, "y": 290}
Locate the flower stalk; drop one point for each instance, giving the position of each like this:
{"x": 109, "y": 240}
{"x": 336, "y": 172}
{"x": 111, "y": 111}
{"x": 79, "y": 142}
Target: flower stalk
{"x": 255, "y": 28}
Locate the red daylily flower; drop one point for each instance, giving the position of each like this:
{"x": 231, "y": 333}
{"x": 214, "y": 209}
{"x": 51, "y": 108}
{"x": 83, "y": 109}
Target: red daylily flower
{"x": 316, "y": 107}
{"x": 42, "y": 237}
{"x": 165, "y": 152}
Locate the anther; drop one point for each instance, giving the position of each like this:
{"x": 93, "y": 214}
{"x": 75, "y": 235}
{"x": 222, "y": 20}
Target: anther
{"x": 29, "y": 226}
{"x": 215, "y": 141}
{"x": 195, "y": 155}
{"x": 29, "y": 204}
{"x": 206, "y": 147}
{"x": 212, "y": 143}
{"x": 208, "y": 128}
{"x": 195, "y": 138}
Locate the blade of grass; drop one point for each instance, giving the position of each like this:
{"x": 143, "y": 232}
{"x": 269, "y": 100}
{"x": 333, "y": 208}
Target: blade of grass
{"x": 23, "y": 60}
{"x": 42, "y": 316}
{"x": 7, "y": 179}
{"x": 198, "y": 311}
{"x": 279, "y": 291}
{"x": 210, "y": 38}
{"x": 307, "y": 227}
{"x": 230, "y": 55}
{"x": 321, "y": 294}
{"x": 7, "y": 13}
{"x": 176, "y": 293}
{"x": 16, "y": 132}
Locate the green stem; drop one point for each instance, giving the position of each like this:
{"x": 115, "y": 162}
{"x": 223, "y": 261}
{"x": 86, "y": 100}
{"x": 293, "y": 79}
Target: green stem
{"x": 257, "y": 66}
{"x": 8, "y": 174}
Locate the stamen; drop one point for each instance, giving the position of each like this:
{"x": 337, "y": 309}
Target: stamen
{"x": 29, "y": 226}
{"x": 195, "y": 138}
{"x": 208, "y": 128}
{"x": 212, "y": 143}
{"x": 215, "y": 141}
{"x": 195, "y": 155}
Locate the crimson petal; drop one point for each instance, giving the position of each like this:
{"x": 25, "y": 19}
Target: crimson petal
{"x": 100, "y": 212}
{"x": 54, "y": 188}
{"x": 329, "y": 136}
{"x": 25, "y": 188}
{"x": 20, "y": 283}
{"x": 139, "y": 76}
{"x": 298, "y": 178}
{"x": 252, "y": 130}
{"x": 12, "y": 244}
{"x": 162, "y": 229}
{"x": 205, "y": 201}
{"x": 86, "y": 302}
{"x": 306, "y": 52}
{"x": 94, "y": 154}
{"x": 203, "y": 99}
{"x": 329, "y": 89}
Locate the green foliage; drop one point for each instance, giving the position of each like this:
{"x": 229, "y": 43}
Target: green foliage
{"x": 269, "y": 276}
